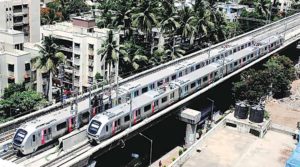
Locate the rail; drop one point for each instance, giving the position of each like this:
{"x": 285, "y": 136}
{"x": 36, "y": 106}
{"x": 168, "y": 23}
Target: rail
{"x": 180, "y": 103}
{"x": 257, "y": 32}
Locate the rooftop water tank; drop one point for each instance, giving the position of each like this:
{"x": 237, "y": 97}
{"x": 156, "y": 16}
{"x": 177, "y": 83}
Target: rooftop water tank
{"x": 257, "y": 114}
{"x": 241, "y": 110}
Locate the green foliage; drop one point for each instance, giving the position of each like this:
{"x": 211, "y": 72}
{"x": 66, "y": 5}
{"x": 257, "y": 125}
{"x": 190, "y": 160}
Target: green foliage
{"x": 23, "y": 101}
{"x": 180, "y": 152}
{"x": 173, "y": 159}
{"x": 98, "y": 77}
{"x": 266, "y": 115}
{"x": 276, "y": 77}
{"x": 12, "y": 88}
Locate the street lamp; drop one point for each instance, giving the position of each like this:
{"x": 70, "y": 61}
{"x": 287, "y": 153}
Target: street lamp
{"x": 151, "y": 142}
{"x": 212, "y": 108}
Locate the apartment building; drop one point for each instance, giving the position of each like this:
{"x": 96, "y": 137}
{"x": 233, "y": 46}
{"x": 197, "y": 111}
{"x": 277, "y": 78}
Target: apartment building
{"x": 21, "y": 15}
{"x": 14, "y": 61}
{"x": 80, "y": 41}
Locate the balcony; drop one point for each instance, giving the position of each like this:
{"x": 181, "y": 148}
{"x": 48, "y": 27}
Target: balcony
{"x": 66, "y": 49}
{"x": 91, "y": 51}
{"x": 76, "y": 61}
{"x": 11, "y": 74}
{"x": 91, "y": 62}
{"x": 76, "y": 72}
{"x": 91, "y": 74}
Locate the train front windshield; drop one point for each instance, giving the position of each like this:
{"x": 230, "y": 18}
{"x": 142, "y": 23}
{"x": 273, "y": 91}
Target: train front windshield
{"x": 19, "y": 137}
{"x": 94, "y": 126}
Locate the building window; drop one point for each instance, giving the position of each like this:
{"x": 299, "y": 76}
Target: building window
{"x": 11, "y": 80}
{"x": 25, "y": 15}
{"x": 77, "y": 56}
{"x": 25, "y": 6}
{"x": 11, "y": 67}
{"x": 27, "y": 66}
{"x": 77, "y": 45}
{"x": 91, "y": 57}
{"x": 6, "y": 9}
{"x": 145, "y": 89}
{"x": 91, "y": 46}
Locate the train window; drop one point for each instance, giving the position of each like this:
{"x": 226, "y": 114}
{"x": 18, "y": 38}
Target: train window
{"x": 138, "y": 112}
{"x": 172, "y": 95}
{"x": 242, "y": 47}
{"x": 230, "y": 52}
{"x": 198, "y": 81}
{"x": 234, "y": 50}
{"x": 244, "y": 59}
{"x": 197, "y": 66}
{"x": 248, "y": 57}
{"x": 216, "y": 73}
{"x": 145, "y": 89}
{"x": 156, "y": 103}
{"x": 167, "y": 79}
{"x": 33, "y": 138}
{"x": 159, "y": 83}
{"x": 266, "y": 48}
{"x": 164, "y": 99}
{"x": 126, "y": 118}
{"x": 173, "y": 77}
{"x": 192, "y": 69}
{"x": 106, "y": 128}
{"x": 152, "y": 86}
{"x": 249, "y": 44}
{"x": 193, "y": 85}
{"x": 147, "y": 108}
{"x": 61, "y": 126}
{"x": 251, "y": 55}
{"x": 136, "y": 93}
{"x": 211, "y": 75}
{"x": 180, "y": 73}
{"x": 85, "y": 115}
{"x": 205, "y": 79}
{"x": 272, "y": 44}
{"x": 118, "y": 122}
{"x": 235, "y": 63}
{"x": 217, "y": 57}
{"x": 226, "y": 54}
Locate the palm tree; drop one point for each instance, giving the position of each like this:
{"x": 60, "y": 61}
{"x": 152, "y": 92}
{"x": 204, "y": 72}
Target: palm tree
{"x": 263, "y": 7}
{"x": 145, "y": 19}
{"x": 187, "y": 24}
{"x": 174, "y": 51}
{"x": 109, "y": 53}
{"x": 49, "y": 60}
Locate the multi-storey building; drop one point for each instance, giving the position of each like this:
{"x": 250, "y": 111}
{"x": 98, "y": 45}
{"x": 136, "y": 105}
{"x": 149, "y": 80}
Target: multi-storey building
{"x": 21, "y": 15}
{"x": 80, "y": 41}
{"x": 14, "y": 61}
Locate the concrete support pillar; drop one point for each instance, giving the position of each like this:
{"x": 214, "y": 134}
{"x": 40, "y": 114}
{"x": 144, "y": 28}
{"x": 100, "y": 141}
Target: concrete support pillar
{"x": 39, "y": 81}
{"x": 190, "y": 134}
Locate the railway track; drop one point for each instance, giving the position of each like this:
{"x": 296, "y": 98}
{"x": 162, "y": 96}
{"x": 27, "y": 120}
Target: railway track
{"x": 63, "y": 159}
{"x": 263, "y": 31}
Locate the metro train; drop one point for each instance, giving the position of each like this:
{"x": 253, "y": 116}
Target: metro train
{"x": 114, "y": 120}
{"x": 34, "y": 134}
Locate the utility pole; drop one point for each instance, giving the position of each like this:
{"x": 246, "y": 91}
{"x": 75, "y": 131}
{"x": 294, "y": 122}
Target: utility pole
{"x": 151, "y": 142}
{"x": 212, "y": 108}
{"x": 61, "y": 77}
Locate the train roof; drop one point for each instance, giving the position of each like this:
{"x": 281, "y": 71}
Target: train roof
{"x": 270, "y": 40}
{"x": 53, "y": 117}
{"x": 238, "y": 55}
{"x": 160, "y": 74}
{"x": 241, "y": 41}
{"x": 197, "y": 73}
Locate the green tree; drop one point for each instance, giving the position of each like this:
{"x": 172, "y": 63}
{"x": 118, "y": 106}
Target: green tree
{"x": 109, "y": 53}
{"x": 12, "y": 88}
{"x": 22, "y": 101}
{"x": 49, "y": 60}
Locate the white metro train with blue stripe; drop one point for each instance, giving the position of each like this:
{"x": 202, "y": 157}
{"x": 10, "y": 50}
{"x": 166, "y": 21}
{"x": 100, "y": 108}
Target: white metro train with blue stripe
{"x": 110, "y": 122}
{"x": 35, "y": 134}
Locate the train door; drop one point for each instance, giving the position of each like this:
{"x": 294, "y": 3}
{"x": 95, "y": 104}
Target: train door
{"x": 184, "y": 91}
{"x": 154, "y": 106}
{"x": 71, "y": 124}
{"x": 116, "y": 126}
{"x": 136, "y": 116}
